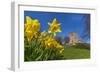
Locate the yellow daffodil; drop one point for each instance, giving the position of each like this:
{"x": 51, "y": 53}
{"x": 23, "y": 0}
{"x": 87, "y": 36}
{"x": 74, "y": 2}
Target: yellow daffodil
{"x": 54, "y": 27}
{"x": 59, "y": 46}
{"x": 35, "y": 25}
{"x": 29, "y": 34}
{"x": 49, "y": 43}
{"x": 43, "y": 34}
{"x": 31, "y": 27}
{"x": 28, "y": 21}
{"x": 52, "y": 43}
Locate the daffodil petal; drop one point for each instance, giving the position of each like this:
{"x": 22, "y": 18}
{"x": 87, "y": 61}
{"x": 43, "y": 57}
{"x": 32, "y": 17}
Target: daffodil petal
{"x": 49, "y": 31}
{"x": 28, "y": 20}
{"x": 54, "y": 21}
{"x": 59, "y": 30}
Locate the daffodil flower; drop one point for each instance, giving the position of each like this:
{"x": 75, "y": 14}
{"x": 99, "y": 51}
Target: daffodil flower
{"x": 54, "y": 27}
{"x": 35, "y": 25}
{"x": 59, "y": 46}
{"x": 32, "y": 27}
{"x": 43, "y": 34}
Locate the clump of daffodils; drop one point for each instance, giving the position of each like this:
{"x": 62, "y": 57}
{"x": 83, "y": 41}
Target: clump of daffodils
{"x": 41, "y": 45}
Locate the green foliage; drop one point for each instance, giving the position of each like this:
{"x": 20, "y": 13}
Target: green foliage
{"x": 35, "y": 51}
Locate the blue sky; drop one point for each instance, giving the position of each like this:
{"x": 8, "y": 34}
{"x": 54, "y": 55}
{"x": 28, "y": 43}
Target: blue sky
{"x": 70, "y": 22}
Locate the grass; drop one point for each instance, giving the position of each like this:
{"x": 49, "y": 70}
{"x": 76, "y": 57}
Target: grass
{"x": 72, "y": 52}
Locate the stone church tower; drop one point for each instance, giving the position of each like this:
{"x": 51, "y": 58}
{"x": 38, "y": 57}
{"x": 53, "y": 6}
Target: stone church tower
{"x": 73, "y": 38}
